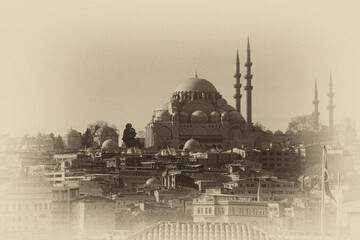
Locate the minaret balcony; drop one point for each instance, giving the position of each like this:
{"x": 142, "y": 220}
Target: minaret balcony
{"x": 237, "y": 85}
{"x": 316, "y": 101}
{"x": 248, "y": 88}
{"x": 236, "y": 95}
{"x": 248, "y": 76}
{"x": 237, "y": 75}
{"x": 248, "y": 64}
{"x": 331, "y": 107}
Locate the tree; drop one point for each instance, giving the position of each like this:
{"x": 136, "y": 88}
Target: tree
{"x": 87, "y": 138}
{"x": 304, "y": 128}
{"x": 260, "y": 126}
{"x": 58, "y": 144}
{"x": 129, "y": 135}
{"x": 94, "y": 127}
{"x": 302, "y": 123}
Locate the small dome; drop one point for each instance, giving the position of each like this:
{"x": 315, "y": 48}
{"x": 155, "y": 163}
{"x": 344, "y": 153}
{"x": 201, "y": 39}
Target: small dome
{"x": 221, "y": 103}
{"x": 162, "y": 115}
{"x": 269, "y": 132}
{"x": 110, "y": 144}
{"x": 133, "y": 151}
{"x": 192, "y": 146}
{"x": 215, "y": 117}
{"x": 235, "y": 117}
{"x": 199, "y": 117}
{"x": 91, "y": 150}
{"x": 153, "y": 181}
{"x": 196, "y": 85}
{"x": 279, "y": 133}
{"x": 184, "y": 117}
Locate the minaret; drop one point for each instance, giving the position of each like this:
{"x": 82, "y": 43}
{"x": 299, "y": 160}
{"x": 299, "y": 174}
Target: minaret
{"x": 316, "y": 108}
{"x": 237, "y": 84}
{"x": 331, "y": 110}
{"x": 248, "y": 88}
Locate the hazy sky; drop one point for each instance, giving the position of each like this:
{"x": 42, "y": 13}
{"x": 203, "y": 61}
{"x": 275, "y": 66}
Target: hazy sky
{"x": 65, "y": 64}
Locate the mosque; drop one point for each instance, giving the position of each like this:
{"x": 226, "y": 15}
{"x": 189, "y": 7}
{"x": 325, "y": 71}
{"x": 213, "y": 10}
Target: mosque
{"x": 197, "y": 114}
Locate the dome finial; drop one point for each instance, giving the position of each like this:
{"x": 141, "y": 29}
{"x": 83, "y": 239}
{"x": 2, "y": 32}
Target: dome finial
{"x": 196, "y": 76}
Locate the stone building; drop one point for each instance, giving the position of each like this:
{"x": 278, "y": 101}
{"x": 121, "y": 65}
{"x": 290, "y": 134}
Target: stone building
{"x": 25, "y": 206}
{"x": 92, "y": 213}
{"x": 230, "y": 208}
{"x": 197, "y": 110}
{"x": 72, "y": 140}
{"x": 202, "y": 231}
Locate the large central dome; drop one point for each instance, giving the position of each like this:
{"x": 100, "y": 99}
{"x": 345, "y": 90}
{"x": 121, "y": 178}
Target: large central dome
{"x": 196, "y": 85}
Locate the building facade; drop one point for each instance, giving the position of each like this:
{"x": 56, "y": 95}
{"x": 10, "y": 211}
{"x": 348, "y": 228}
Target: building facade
{"x": 229, "y": 208}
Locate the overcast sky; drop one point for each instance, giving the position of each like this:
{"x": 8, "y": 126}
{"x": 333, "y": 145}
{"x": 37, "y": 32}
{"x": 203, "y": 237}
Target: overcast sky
{"x": 65, "y": 64}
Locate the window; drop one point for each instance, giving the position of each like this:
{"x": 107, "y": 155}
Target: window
{"x": 40, "y": 206}
{"x": 209, "y": 210}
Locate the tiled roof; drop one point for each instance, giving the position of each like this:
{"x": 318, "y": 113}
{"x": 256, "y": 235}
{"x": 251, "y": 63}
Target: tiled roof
{"x": 201, "y": 231}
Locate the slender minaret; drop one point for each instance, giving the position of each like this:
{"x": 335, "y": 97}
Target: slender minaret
{"x": 316, "y": 108}
{"x": 248, "y": 88}
{"x": 237, "y": 84}
{"x": 331, "y": 109}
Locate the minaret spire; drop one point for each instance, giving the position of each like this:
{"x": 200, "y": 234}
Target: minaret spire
{"x": 331, "y": 109}
{"x": 316, "y": 108}
{"x": 237, "y": 84}
{"x": 248, "y": 88}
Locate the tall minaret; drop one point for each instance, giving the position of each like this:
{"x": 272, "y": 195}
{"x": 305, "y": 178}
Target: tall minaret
{"x": 316, "y": 109}
{"x": 237, "y": 84}
{"x": 331, "y": 109}
{"x": 248, "y": 88}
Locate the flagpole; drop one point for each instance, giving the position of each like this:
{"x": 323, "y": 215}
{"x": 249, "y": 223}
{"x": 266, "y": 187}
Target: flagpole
{"x": 338, "y": 208}
{"x": 322, "y": 209}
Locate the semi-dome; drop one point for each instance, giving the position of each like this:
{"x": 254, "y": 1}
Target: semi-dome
{"x": 199, "y": 117}
{"x": 192, "y": 146}
{"x": 184, "y": 117}
{"x": 162, "y": 115}
{"x": 196, "y": 85}
{"x": 236, "y": 117}
{"x": 110, "y": 144}
{"x": 221, "y": 102}
{"x": 215, "y": 117}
